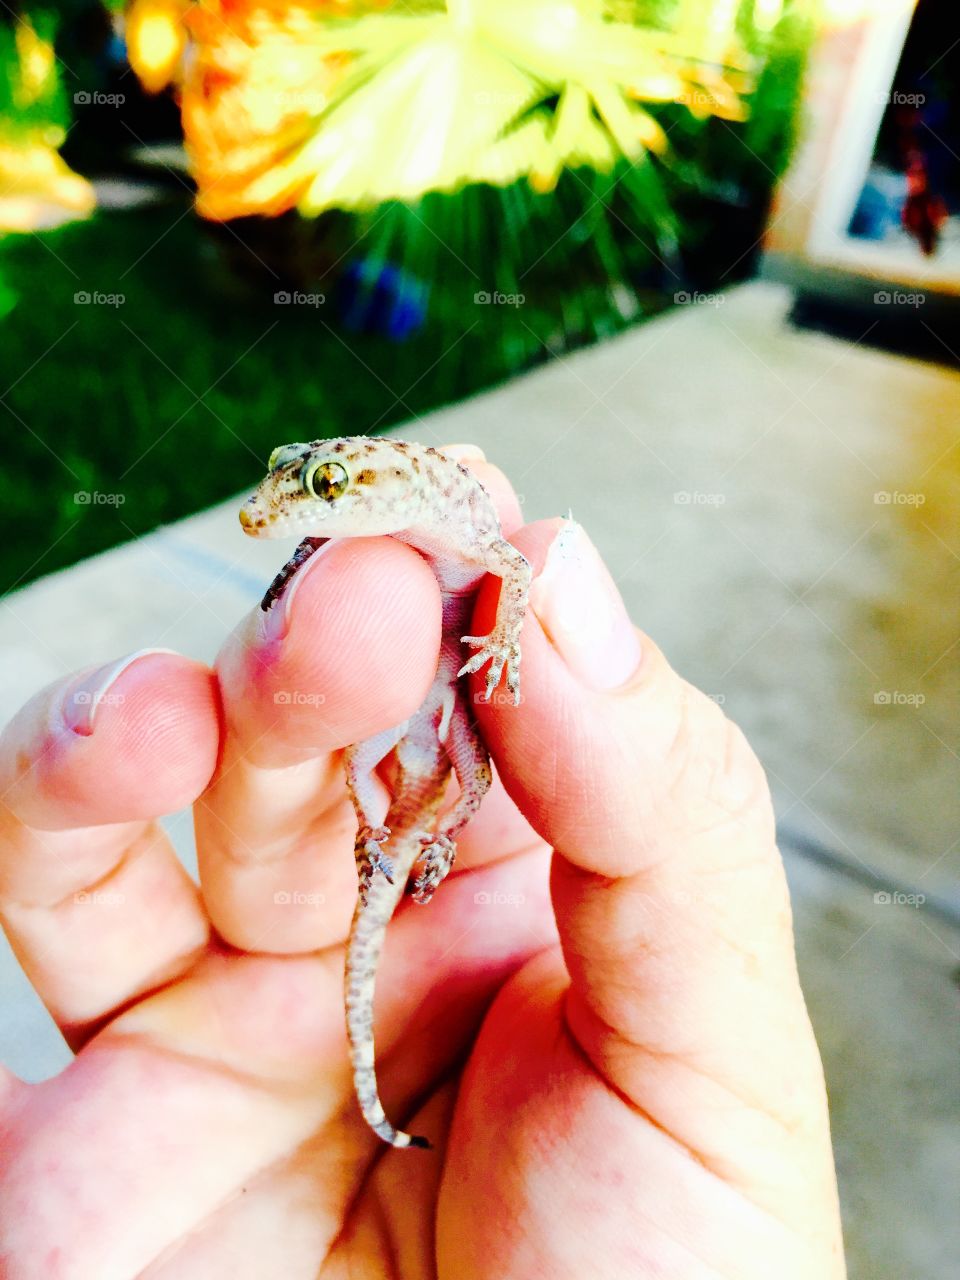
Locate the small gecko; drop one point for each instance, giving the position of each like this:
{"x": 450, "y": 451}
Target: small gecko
{"x": 356, "y": 487}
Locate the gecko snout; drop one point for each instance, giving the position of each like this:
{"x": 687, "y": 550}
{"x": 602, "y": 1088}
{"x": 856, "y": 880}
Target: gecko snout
{"x": 251, "y": 517}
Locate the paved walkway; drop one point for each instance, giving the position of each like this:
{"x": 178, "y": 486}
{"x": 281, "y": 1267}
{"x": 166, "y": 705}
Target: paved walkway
{"x": 781, "y": 511}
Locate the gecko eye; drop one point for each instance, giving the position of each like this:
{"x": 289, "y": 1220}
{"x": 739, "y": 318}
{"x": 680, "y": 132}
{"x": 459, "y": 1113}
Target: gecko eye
{"x": 326, "y": 480}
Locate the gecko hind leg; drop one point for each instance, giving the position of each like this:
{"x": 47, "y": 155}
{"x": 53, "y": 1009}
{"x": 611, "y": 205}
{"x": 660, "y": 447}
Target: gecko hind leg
{"x": 471, "y": 763}
{"x": 433, "y": 866}
{"x": 370, "y": 858}
{"x": 360, "y": 764}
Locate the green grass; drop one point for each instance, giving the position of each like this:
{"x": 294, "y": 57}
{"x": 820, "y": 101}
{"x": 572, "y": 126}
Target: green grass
{"x": 175, "y": 398}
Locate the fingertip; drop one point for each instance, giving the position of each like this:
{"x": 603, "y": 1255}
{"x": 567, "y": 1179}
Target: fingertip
{"x": 355, "y": 655}
{"x": 466, "y": 452}
{"x": 150, "y": 748}
{"x": 581, "y": 610}
{"x": 505, "y": 498}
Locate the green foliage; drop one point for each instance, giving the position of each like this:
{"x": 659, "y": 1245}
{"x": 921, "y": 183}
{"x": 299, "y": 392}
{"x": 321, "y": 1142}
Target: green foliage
{"x": 7, "y": 298}
{"x": 767, "y": 140}
{"x": 565, "y": 251}
{"x": 27, "y": 105}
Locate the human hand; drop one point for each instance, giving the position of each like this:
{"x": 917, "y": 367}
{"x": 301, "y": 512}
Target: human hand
{"x": 618, "y": 1076}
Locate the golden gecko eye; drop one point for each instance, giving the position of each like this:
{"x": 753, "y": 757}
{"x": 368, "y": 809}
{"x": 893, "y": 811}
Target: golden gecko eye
{"x": 326, "y": 480}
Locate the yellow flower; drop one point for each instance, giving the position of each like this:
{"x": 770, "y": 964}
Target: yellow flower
{"x": 323, "y": 105}
{"x": 38, "y": 189}
{"x": 256, "y": 85}
{"x": 156, "y": 38}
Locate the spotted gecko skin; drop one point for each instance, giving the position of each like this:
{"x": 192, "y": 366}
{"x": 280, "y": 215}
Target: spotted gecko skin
{"x": 357, "y": 487}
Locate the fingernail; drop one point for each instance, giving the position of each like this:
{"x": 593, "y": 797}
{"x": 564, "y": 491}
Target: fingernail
{"x": 274, "y": 623}
{"x": 463, "y": 452}
{"x": 580, "y": 609}
{"x": 82, "y": 700}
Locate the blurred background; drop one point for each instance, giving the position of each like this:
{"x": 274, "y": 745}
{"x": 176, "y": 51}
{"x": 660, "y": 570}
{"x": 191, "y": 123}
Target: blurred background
{"x": 207, "y": 161}
{"x": 692, "y": 266}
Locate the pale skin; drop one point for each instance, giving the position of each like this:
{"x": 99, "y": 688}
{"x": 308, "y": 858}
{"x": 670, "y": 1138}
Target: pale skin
{"x": 608, "y": 1048}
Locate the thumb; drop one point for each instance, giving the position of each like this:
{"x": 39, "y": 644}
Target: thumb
{"x": 669, "y": 893}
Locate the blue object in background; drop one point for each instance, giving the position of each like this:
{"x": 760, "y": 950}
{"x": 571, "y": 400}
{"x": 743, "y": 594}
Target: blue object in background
{"x": 880, "y": 207}
{"x": 377, "y": 297}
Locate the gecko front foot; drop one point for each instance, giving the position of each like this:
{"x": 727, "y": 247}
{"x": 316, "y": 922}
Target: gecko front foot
{"x": 501, "y": 649}
{"x": 370, "y": 856}
{"x": 432, "y": 866}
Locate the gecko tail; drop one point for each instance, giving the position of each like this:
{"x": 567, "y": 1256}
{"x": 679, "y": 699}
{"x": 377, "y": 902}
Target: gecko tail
{"x": 397, "y": 1138}
{"x": 363, "y": 953}
{"x": 375, "y": 1117}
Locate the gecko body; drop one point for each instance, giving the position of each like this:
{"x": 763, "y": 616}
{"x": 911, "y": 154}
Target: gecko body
{"x": 356, "y": 487}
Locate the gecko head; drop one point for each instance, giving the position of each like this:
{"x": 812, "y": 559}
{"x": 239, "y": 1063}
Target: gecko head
{"x": 354, "y": 486}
